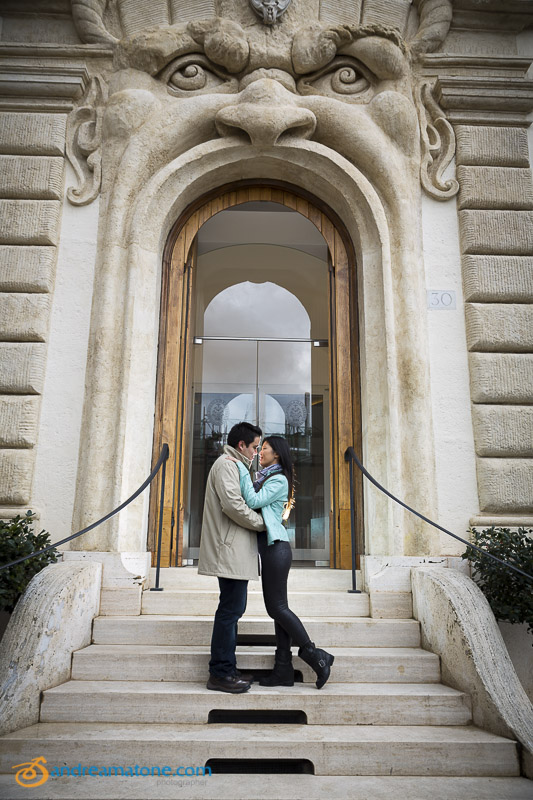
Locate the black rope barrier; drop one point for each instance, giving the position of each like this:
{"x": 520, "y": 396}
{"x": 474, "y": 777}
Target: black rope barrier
{"x": 350, "y": 453}
{"x": 162, "y": 458}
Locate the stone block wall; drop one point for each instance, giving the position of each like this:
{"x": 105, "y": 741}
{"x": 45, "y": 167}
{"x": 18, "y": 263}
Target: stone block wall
{"x": 31, "y": 189}
{"x": 44, "y": 74}
{"x": 496, "y": 226}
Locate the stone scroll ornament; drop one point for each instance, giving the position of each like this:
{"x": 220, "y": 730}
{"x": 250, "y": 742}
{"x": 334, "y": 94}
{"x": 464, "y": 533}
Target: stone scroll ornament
{"x": 84, "y": 138}
{"x": 88, "y": 16}
{"x": 437, "y": 145}
{"x": 270, "y": 10}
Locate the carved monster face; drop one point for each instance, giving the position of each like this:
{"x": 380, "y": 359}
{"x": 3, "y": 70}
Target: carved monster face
{"x": 347, "y": 88}
{"x": 175, "y": 86}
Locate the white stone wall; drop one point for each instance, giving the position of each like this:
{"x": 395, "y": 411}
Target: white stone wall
{"x": 64, "y": 385}
{"x": 44, "y": 74}
{"x": 39, "y": 87}
{"x": 519, "y": 643}
{"x": 489, "y": 112}
{"x": 450, "y": 392}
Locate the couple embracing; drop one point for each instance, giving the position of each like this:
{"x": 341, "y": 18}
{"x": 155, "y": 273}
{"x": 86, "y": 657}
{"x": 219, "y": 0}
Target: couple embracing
{"x": 241, "y": 519}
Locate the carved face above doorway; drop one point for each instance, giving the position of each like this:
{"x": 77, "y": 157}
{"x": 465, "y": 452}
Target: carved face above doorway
{"x": 187, "y": 73}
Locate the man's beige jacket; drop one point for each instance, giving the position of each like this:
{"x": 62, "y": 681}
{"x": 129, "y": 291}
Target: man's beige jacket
{"x": 228, "y": 544}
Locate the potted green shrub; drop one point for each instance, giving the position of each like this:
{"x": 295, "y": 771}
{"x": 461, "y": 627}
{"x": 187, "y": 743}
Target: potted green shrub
{"x": 17, "y": 538}
{"x": 509, "y": 594}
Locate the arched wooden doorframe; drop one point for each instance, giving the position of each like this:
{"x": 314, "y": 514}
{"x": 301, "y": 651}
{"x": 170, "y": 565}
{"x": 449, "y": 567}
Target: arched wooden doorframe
{"x": 174, "y": 357}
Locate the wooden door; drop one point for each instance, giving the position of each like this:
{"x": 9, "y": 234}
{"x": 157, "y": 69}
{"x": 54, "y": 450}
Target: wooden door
{"x": 174, "y": 365}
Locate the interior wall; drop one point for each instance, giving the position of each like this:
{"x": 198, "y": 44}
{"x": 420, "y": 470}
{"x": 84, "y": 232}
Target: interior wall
{"x": 285, "y": 266}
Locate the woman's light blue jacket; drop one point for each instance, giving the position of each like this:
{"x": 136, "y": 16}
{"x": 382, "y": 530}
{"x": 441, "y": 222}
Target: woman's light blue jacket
{"x": 270, "y": 498}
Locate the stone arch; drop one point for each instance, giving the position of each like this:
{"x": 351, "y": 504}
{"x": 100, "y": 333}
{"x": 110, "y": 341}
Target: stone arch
{"x": 397, "y": 440}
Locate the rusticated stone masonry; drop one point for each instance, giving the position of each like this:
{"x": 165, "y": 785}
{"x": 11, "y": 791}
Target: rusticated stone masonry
{"x": 31, "y": 188}
{"x": 496, "y": 223}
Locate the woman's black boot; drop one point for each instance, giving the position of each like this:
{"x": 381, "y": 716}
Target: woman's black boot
{"x": 283, "y": 672}
{"x": 318, "y": 660}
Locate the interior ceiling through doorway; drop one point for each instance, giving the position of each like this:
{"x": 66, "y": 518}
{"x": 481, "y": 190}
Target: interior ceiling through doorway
{"x": 261, "y": 223}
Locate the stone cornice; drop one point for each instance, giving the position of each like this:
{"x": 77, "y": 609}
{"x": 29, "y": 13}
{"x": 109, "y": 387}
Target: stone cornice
{"x": 475, "y": 65}
{"x": 35, "y": 87}
{"x": 485, "y": 100}
{"x": 497, "y": 23}
{"x": 502, "y": 16}
{"x": 502, "y": 521}
{"x": 36, "y": 6}
{"x": 53, "y": 51}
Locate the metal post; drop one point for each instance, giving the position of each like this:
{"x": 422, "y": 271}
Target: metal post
{"x": 354, "y": 589}
{"x": 158, "y": 588}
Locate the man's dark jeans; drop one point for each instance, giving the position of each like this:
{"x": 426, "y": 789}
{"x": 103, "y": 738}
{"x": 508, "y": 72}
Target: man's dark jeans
{"x": 231, "y": 607}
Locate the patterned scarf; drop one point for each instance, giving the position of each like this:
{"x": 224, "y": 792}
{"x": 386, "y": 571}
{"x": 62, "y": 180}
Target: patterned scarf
{"x": 263, "y": 474}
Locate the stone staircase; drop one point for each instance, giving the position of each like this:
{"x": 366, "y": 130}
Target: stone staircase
{"x": 383, "y": 724}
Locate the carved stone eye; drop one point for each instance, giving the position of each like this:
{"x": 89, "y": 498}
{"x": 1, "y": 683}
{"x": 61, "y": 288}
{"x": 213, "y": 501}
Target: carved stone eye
{"x": 194, "y": 73}
{"x": 191, "y": 77}
{"x": 347, "y": 80}
{"x": 343, "y": 76}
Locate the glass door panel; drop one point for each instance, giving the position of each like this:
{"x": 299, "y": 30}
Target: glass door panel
{"x": 282, "y": 387}
{"x": 223, "y": 395}
{"x": 293, "y": 404}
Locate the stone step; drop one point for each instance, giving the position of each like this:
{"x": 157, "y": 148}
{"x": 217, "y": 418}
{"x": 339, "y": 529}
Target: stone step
{"x": 257, "y": 787}
{"x": 338, "y": 750}
{"x": 335, "y": 631}
{"x": 101, "y": 662}
{"x": 204, "y": 603}
{"x": 300, "y": 579}
{"x": 335, "y": 704}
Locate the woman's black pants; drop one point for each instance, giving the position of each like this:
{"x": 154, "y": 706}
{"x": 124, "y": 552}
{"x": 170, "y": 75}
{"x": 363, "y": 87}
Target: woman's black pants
{"x": 276, "y": 560}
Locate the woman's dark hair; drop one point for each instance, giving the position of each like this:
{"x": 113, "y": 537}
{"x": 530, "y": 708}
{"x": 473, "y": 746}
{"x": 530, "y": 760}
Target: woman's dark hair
{"x": 281, "y": 447}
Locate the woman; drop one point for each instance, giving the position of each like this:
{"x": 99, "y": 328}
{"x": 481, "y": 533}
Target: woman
{"x": 273, "y": 493}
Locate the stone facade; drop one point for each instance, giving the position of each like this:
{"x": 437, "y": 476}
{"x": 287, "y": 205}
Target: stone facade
{"x": 363, "y": 103}
{"x": 499, "y": 224}
{"x": 31, "y": 187}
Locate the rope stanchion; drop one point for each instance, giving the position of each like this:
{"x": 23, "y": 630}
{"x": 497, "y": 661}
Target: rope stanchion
{"x": 354, "y": 589}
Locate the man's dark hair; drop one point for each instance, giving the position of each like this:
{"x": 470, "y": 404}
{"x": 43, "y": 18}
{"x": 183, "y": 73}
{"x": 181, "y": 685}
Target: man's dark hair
{"x": 243, "y": 432}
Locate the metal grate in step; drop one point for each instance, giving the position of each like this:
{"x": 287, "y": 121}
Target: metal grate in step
{"x": 256, "y": 639}
{"x": 257, "y": 717}
{"x": 261, "y": 766}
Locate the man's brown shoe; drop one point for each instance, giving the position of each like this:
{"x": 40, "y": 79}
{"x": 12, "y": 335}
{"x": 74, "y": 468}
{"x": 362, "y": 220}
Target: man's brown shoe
{"x": 232, "y": 684}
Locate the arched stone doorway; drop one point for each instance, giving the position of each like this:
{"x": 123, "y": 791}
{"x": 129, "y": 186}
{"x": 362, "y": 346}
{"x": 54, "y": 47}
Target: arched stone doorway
{"x": 118, "y": 417}
{"x": 174, "y": 419}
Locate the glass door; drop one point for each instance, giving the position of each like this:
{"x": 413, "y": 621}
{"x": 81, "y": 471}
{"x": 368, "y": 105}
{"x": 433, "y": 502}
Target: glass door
{"x": 280, "y": 385}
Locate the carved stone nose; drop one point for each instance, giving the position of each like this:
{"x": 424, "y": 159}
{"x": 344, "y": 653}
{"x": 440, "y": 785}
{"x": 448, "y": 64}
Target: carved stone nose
{"x": 266, "y": 111}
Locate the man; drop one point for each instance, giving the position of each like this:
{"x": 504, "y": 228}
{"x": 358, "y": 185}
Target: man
{"x": 228, "y": 549}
